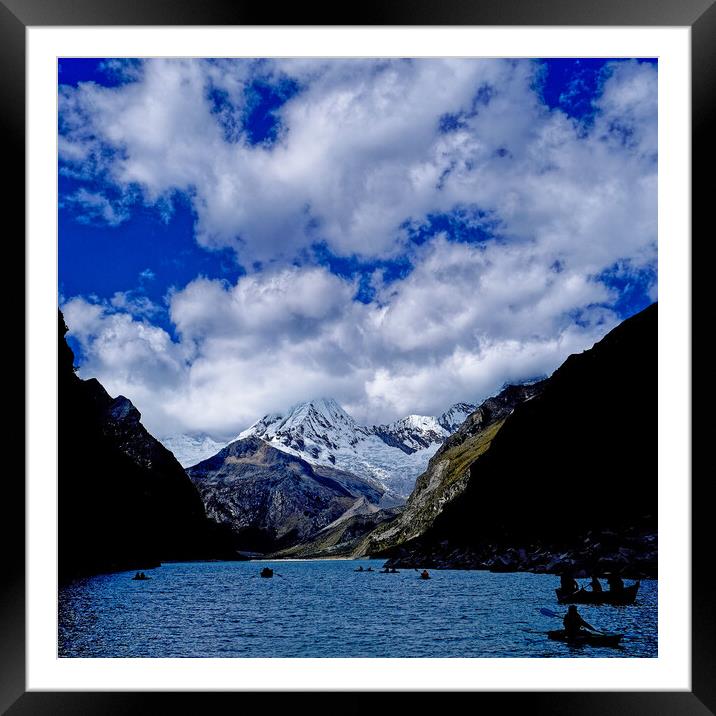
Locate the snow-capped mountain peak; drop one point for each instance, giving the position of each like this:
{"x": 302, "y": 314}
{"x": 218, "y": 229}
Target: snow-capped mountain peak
{"x": 318, "y": 415}
{"x": 455, "y": 416}
{"x": 412, "y": 433}
{"x": 313, "y": 430}
{"x": 322, "y": 432}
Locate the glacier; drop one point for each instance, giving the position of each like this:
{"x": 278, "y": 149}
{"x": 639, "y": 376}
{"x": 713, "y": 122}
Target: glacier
{"x": 191, "y": 449}
{"x": 322, "y": 432}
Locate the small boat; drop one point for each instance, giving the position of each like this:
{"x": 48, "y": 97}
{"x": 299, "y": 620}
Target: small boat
{"x": 267, "y": 572}
{"x": 586, "y": 638}
{"x": 424, "y": 574}
{"x": 622, "y": 597}
{"x": 140, "y": 577}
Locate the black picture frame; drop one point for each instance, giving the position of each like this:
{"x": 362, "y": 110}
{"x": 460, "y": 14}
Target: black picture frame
{"x": 699, "y": 15}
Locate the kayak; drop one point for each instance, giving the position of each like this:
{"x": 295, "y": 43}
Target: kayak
{"x": 621, "y": 598}
{"x": 140, "y": 579}
{"x": 586, "y": 638}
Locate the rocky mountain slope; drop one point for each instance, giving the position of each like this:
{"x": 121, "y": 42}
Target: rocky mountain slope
{"x": 272, "y": 499}
{"x": 124, "y": 501}
{"x": 393, "y": 455}
{"x": 343, "y": 536}
{"x": 448, "y": 471}
{"x": 570, "y": 479}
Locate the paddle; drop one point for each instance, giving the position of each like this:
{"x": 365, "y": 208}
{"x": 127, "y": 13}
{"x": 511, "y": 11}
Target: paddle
{"x": 550, "y": 613}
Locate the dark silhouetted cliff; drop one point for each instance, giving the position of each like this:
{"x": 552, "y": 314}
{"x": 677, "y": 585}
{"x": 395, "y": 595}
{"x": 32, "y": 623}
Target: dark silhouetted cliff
{"x": 124, "y": 502}
{"x": 579, "y": 458}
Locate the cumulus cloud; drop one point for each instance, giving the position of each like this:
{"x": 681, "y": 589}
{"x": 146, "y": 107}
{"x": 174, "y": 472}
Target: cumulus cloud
{"x": 129, "y": 356}
{"x": 362, "y": 153}
{"x": 443, "y": 334}
{"x": 367, "y": 152}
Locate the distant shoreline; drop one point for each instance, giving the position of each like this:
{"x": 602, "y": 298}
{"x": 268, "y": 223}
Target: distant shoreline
{"x": 381, "y": 560}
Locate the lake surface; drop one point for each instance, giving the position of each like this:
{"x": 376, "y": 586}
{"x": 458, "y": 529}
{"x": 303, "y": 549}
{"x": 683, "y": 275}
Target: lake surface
{"x": 326, "y": 609}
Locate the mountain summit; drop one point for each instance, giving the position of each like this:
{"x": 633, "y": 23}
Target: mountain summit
{"x": 323, "y": 433}
{"x": 313, "y": 429}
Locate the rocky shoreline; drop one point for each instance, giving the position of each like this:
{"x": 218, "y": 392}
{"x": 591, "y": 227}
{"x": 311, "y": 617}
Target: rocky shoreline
{"x": 632, "y": 555}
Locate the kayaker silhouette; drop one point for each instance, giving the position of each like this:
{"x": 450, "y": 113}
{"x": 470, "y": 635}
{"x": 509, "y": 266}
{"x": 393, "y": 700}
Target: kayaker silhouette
{"x": 615, "y": 582}
{"x": 595, "y": 584}
{"x": 573, "y": 622}
{"x": 568, "y": 584}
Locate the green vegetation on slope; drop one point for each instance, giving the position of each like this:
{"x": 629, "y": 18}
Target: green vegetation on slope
{"x": 446, "y": 477}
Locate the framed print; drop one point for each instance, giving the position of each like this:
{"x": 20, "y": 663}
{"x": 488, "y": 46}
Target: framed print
{"x": 350, "y": 297}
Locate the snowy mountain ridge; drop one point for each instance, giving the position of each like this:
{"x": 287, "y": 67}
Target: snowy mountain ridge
{"x": 322, "y": 432}
{"x": 191, "y": 449}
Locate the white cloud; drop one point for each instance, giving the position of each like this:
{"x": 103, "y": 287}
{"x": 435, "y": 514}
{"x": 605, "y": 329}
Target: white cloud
{"x": 361, "y": 154}
{"x": 443, "y": 334}
{"x": 292, "y": 303}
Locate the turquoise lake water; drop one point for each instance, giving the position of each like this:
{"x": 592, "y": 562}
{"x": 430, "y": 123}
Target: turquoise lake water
{"x": 326, "y": 609}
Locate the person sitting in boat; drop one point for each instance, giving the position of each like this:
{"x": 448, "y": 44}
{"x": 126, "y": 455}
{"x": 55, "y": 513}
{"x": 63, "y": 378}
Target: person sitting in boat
{"x": 595, "y": 584}
{"x": 615, "y": 582}
{"x": 573, "y": 622}
{"x": 360, "y": 569}
{"x": 424, "y": 574}
{"x": 568, "y": 584}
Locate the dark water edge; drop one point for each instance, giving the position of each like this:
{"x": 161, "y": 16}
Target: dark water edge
{"x": 323, "y": 608}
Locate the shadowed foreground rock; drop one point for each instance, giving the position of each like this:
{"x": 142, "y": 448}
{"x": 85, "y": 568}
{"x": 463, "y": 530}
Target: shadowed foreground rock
{"x": 569, "y": 481}
{"x": 124, "y": 502}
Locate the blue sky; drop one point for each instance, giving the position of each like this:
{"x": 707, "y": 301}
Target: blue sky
{"x": 397, "y": 234}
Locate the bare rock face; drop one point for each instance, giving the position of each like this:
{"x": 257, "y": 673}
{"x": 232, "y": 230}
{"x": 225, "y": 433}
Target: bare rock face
{"x": 124, "y": 502}
{"x": 343, "y": 536}
{"x": 272, "y": 499}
